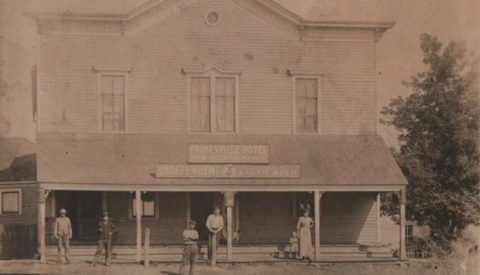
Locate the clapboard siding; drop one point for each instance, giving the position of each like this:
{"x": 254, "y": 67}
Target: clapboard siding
{"x": 157, "y": 96}
{"x": 348, "y": 218}
{"x": 29, "y": 206}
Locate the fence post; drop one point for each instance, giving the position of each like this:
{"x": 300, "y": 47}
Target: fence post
{"x": 146, "y": 253}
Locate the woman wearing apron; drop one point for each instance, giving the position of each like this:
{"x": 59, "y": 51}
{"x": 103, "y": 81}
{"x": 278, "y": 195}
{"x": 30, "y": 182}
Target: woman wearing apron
{"x": 303, "y": 228}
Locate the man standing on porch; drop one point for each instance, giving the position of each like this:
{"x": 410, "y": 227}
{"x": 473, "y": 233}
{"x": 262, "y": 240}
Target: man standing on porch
{"x": 63, "y": 233}
{"x": 214, "y": 225}
{"x": 190, "y": 251}
{"x": 105, "y": 230}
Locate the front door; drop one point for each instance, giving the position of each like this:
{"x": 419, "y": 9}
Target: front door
{"x": 84, "y": 210}
{"x": 202, "y": 205}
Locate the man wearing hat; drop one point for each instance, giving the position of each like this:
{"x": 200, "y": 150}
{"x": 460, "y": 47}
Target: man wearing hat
{"x": 214, "y": 225}
{"x": 190, "y": 250}
{"x": 105, "y": 232}
{"x": 63, "y": 233}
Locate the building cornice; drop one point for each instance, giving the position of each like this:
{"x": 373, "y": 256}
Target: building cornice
{"x": 125, "y": 24}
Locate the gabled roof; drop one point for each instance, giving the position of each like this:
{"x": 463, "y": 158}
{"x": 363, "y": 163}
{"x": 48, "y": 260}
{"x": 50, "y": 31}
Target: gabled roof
{"x": 155, "y": 10}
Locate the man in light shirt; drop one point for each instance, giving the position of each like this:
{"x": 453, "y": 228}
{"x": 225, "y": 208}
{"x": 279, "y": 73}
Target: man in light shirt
{"x": 190, "y": 250}
{"x": 214, "y": 225}
{"x": 63, "y": 233}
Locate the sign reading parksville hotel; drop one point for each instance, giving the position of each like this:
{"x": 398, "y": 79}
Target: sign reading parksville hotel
{"x": 228, "y": 153}
{"x": 227, "y": 171}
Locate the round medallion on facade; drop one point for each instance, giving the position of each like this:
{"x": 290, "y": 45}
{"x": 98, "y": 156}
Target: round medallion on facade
{"x": 212, "y": 18}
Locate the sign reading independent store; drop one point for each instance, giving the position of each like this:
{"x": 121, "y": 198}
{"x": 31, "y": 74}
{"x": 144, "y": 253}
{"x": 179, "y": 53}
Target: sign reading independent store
{"x": 228, "y": 171}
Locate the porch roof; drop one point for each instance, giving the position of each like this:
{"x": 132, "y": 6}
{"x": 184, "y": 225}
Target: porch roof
{"x": 131, "y": 159}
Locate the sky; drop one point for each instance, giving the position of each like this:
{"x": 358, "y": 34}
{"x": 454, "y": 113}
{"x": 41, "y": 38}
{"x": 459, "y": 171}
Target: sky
{"x": 398, "y": 52}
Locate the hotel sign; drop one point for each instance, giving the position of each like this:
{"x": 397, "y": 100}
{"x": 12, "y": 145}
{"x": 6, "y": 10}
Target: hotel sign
{"x": 226, "y": 171}
{"x": 228, "y": 153}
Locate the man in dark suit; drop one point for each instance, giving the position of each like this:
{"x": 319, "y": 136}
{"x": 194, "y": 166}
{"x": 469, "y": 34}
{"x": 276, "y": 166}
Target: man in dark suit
{"x": 105, "y": 232}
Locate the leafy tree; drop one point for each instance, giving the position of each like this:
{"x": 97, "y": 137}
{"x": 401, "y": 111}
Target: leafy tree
{"x": 438, "y": 126}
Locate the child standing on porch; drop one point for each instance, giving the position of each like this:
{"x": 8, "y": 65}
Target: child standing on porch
{"x": 292, "y": 247}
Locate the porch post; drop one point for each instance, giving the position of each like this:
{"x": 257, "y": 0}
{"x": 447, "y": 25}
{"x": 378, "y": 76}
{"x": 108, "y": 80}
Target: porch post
{"x": 104, "y": 201}
{"x": 189, "y": 208}
{"x": 139, "y": 210}
{"x": 403, "y": 199}
{"x": 379, "y": 225}
{"x": 317, "y": 198}
{"x": 229, "y": 199}
{"x": 41, "y": 224}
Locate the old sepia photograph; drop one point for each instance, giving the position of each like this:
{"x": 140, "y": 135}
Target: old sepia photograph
{"x": 242, "y": 137}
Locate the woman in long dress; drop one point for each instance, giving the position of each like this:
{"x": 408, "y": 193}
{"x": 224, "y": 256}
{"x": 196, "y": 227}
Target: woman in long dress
{"x": 303, "y": 228}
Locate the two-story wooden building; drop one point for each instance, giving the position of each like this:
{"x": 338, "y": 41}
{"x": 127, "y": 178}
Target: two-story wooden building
{"x": 180, "y": 105}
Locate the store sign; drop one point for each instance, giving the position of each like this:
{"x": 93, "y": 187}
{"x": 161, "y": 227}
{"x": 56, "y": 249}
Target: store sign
{"x": 226, "y": 171}
{"x": 228, "y": 153}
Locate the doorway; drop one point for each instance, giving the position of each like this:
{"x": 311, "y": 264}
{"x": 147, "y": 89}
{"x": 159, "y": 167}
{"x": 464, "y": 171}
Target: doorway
{"x": 84, "y": 210}
{"x": 202, "y": 204}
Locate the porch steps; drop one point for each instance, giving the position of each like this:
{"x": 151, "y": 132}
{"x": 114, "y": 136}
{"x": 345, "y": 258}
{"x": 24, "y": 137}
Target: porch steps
{"x": 252, "y": 253}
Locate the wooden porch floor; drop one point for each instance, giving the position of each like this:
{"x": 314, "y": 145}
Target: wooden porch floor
{"x": 244, "y": 253}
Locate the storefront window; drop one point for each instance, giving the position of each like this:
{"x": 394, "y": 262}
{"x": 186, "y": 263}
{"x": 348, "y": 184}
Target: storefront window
{"x": 10, "y": 202}
{"x": 149, "y": 203}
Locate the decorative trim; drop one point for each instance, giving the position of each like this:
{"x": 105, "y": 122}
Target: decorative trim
{"x": 111, "y": 69}
{"x": 143, "y": 16}
{"x": 207, "y": 15}
{"x": 212, "y": 68}
{"x": 303, "y": 73}
{"x": 164, "y": 186}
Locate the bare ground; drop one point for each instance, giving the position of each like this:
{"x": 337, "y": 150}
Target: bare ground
{"x": 410, "y": 268}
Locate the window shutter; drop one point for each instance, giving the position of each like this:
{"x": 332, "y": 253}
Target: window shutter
{"x": 200, "y": 104}
{"x": 225, "y": 104}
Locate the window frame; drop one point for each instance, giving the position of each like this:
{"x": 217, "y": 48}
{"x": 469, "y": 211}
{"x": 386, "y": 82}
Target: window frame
{"x": 213, "y": 74}
{"x": 100, "y": 75}
{"x": 20, "y": 201}
{"x": 156, "y": 208}
{"x": 306, "y": 75}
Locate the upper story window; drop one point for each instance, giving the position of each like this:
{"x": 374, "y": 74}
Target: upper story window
{"x": 112, "y": 107}
{"x": 213, "y": 102}
{"x": 10, "y": 201}
{"x": 306, "y": 102}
